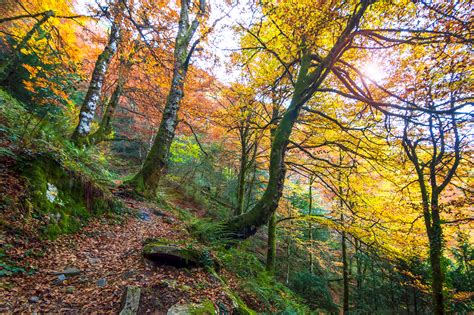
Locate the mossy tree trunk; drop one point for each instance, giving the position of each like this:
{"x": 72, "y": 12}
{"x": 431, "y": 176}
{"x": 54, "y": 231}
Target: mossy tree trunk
{"x": 345, "y": 271}
{"x": 433, "y": 175}
{"x": 147, "y": 179}
{"x": 271, "y": 244}
{"x": 245, "y": 149}
{"x": 272, "y": 223}
{"x": 105, "y": 127}
{"x": 310, "y": 225}
{"x": 92, "y": 98}
{"x": 309, "y": 80}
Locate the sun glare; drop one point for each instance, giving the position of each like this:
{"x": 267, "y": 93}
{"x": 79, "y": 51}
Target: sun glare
{"x": 373, "y": 71}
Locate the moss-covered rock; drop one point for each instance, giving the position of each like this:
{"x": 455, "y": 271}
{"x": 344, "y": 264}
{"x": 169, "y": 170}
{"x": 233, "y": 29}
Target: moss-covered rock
{"x": 63, "y": 198}
{"x": 164, "y": 252}
{"x": 204, "y": 308}
{"x": 171, "y": 255}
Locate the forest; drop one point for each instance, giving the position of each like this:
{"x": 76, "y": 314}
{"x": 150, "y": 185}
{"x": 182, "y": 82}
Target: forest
{"x": 236, "y": 157}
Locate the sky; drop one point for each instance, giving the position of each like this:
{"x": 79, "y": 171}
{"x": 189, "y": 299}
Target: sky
{"x": 221, "y": 42}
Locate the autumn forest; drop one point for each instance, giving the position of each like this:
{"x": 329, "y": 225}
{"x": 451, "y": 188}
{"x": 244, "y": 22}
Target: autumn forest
{"x": 236, "y": 157}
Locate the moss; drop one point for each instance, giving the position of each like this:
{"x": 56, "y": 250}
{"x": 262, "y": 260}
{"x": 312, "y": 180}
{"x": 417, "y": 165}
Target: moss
{"x": 240, "y": 308}
{"x": 187, "y": 254}
{"x": 62, "y": 198}
{"x": 206, "y": 307}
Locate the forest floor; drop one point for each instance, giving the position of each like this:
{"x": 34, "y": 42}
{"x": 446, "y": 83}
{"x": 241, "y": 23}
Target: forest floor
{"x": 105, "y": 257}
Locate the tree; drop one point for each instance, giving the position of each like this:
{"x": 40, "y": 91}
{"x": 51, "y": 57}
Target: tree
{"x": 433, "y": 144}
{"x": 35, "y": 64}
{"x": 310, "y": 77}
{"x": 126, "y": 61}
{"x": 147, "y": 179}
{"x": 89, "y": 105}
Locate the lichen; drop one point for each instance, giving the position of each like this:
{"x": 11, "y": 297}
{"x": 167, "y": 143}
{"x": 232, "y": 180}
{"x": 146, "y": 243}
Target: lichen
{"x": 51, "y": 193}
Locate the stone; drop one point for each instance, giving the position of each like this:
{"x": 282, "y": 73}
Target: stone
{"x": 180, "y": 255}
{"x": 101, "y": 282}
{"x": 34, "y": 299}
{"x": 145, "y": 216}
{"x": 173, "y": 255}
{"x": 205, "y": 307}
{"x": 70, "y": 290}
{"x": 93, "y": 260}
{"x": 60, "y": 279}
{"x": 159, "y": 213}
{"x": 131, "y": 301}
{"x": 128, "y": 274}
{"x": 169, "y": 220}
{"x": 70, "y": 272}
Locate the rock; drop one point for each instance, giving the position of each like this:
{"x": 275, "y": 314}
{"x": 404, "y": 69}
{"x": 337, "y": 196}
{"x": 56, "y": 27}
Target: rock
{"x": 34, "y": 299}
{"x": 173, "y": 255}
{"x": 174, "y": 285}
{"x": 159, "y": 213}
{"x": 70, "y": 272}
{"x": 70, "y": 290}
{"x": 131, "y": 301}
{"x": 184, "y": 288}
{"x": 101, "y": 282}
{"x": 205, "y": 307}
{"x": 128, "y": 274}
{"x": 145, "y": 216}
{"x": 169, "y": 220}
{"x": 60, "y": 279}
{"x": 93, "y": 260}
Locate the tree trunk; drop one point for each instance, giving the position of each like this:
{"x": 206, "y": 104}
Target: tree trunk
{"x": 245, "y": 225}
{"x": 242, "y": 173}
{"x": 271, "y": 245}
{"x": 310, "y": 226}
{"x": 307, "y": 83}
{"x": 89, "y": 105}
{"x": 415, "y": 300}
{"x": 105, "y": 127}
{"x": 436, "y": 241}
{"x": 147, "y": 179}
{"x": 358, "y": 272}
{"x": 345, "y": 274}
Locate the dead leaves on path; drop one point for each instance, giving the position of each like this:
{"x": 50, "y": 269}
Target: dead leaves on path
{"x": 108, "y": 252}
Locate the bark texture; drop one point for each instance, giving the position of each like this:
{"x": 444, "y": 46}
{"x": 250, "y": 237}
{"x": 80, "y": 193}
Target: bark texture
{"x": 105, "y": 128}
{"x": 147, "y": 179}
{"x": 272, "y": 224}
{"x": 89, "y": 105}
{"x": 271, "y": 245}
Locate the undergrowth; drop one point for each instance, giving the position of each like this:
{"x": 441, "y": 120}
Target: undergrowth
{"x": 239, "y": 259}
{"x": 65, "y": 185}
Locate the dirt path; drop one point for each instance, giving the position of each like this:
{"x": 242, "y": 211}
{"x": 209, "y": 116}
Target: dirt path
{"x": 109, "y": 258}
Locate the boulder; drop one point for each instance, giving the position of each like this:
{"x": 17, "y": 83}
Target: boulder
{"x": 173, "y": 255}
{"x": 180, "y": 255}
{"x": 204, "y": 308}
{"x": 131, "y": 301}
